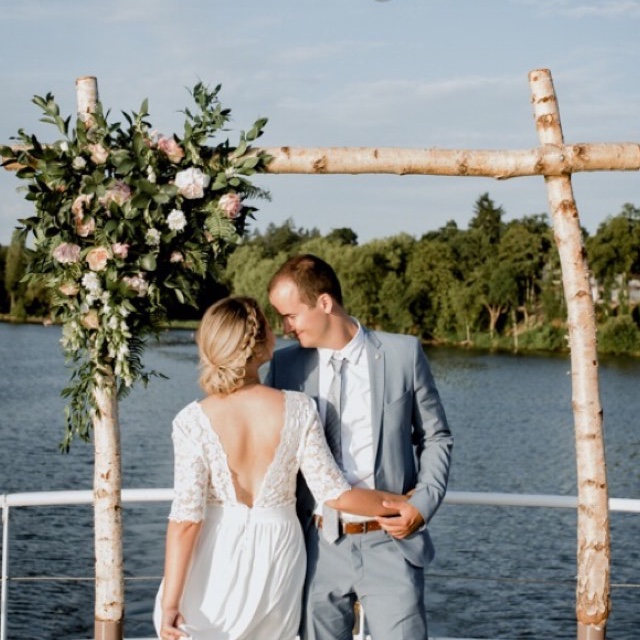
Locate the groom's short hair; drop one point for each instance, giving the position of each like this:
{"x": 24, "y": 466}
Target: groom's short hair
{"x": 312, "y": 276}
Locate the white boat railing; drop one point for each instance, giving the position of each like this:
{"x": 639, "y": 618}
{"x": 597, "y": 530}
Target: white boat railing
{"x": 57, "y": 498}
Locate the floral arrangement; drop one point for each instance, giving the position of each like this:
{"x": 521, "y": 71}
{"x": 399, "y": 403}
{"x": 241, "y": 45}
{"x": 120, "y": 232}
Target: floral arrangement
{"x": 125, "y": 221}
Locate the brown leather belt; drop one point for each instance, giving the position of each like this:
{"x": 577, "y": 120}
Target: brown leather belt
{"x": 347, "y": 528}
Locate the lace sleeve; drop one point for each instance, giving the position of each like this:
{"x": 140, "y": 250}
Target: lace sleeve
{"x": 323, "y": 476}
{"x": 191, "y": 472}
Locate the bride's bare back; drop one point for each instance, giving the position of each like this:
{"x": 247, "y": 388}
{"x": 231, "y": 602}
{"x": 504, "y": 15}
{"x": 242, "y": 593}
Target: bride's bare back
{"x": 248, "y": 424}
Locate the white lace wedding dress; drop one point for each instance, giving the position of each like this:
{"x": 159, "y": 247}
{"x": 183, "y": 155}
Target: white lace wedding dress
{"x": 248, "y": 568}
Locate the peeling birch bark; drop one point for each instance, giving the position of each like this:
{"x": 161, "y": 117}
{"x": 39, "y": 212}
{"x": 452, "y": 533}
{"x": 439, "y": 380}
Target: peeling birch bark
{"x": 107, "y": 506}
{"x": 593, "y": 549}
{"x": 551, "y": 160}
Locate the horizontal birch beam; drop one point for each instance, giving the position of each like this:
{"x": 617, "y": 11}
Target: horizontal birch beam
{"x": 548, "y": 160}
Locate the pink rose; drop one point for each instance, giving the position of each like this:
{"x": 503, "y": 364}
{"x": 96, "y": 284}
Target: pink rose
{"x": 69, "y": 288}
{"x": 99, "y": 154}
{"x": 97, "y": 259}
{"x": 171, "y": 149}
{"x": 138, "y": 284}
{"x": 66, "y": 253}
{"x": 230, "y": 204}
{"x": 81, "y": 205}
{"x": 191, "y": 183}
{"x": 85, "y": 226}
{"x": 91, "y": 320}
{"x": 120, "y": 250}
{"x": 119, "y": 193}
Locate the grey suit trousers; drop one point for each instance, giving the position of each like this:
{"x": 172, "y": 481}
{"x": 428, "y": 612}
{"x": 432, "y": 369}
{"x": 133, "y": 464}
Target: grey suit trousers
{"x": 390, "y": 589}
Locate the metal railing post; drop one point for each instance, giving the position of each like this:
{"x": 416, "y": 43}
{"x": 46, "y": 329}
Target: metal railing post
{"x": 5, "y": 568}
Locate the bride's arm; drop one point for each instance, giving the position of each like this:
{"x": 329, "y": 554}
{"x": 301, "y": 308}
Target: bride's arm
{"x": 327, "y": 482}
{"x": 181, "y": 539}
{"x": 366, "y": 502}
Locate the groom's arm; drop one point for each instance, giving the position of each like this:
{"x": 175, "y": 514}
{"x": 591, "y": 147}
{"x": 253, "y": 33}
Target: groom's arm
{"x": 433, "y": 441}
{"x": 432, "y": 437}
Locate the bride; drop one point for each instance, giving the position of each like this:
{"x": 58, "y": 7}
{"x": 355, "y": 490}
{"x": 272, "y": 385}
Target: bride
{"x": 235, "y": 556}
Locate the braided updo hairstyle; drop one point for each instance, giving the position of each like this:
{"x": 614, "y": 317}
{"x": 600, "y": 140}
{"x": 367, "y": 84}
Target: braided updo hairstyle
{"x": 231, "y": 332}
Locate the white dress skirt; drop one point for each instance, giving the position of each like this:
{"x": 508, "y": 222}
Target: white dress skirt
{"x": 248, "y": 567}
{"x": 246, "y": 577}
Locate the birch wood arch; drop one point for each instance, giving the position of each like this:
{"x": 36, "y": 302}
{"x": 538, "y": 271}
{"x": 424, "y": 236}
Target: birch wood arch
{"x": 556, "y": 162}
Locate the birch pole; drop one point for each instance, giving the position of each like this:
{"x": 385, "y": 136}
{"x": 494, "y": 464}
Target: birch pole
{"x": 593, "y": 551}
{"x": 107, "y": 475}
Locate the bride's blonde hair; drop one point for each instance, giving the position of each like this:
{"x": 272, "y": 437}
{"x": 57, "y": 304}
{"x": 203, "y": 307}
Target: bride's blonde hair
{"x": 231, "y": 332}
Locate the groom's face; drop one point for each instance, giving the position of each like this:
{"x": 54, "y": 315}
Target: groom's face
{"x": 308, "y": 324}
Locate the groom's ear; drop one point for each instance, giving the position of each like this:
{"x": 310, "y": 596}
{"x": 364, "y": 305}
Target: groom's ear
{"x": 325, "y": 302}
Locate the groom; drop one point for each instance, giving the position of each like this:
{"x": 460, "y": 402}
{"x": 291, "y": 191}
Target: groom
{"x": 390, "y": 433}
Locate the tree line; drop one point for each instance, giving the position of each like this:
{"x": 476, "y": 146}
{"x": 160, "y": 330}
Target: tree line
{"x": 495, "y": 284}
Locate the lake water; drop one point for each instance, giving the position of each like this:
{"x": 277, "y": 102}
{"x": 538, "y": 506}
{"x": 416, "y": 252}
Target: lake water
{"x": 498, "y": 573}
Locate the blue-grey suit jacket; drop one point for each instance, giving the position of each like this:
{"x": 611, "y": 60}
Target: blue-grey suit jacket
{"x": 411, "y": 438}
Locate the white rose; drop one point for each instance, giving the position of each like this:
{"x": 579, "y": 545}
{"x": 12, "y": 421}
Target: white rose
{"x": 176, "y": 220}
{"x": 79, "y": 163}
{"x": 191, "y": 183}
{"x": 152, "y": 237}
{"x": 91, "y": 282}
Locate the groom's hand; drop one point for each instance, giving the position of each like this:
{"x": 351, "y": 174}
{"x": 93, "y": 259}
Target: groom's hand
{"x": 408, "y": 520}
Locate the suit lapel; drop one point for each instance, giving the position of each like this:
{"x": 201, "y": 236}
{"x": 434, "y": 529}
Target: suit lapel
{"x": 375, "y": 357}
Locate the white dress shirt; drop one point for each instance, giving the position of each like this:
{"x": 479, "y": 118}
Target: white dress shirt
{"x": 356, "y": 431}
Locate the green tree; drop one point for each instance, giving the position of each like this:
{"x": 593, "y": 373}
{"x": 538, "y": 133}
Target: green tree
{"x": 343, "y": 235}
{"x": 285, "y": 238}
{"x": 619, "y": 335}
{"x": 525, "y": 245}
{"x": 614, "y": 253}
{"x": 431, "y": 278}
{"x": 487, "y": 219}
{"x": 13, "y": 272}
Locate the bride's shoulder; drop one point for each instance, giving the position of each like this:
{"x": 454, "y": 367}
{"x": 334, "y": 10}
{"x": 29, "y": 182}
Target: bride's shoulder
{"x": 300, "y": 402}
{"x": 188, "y": 418}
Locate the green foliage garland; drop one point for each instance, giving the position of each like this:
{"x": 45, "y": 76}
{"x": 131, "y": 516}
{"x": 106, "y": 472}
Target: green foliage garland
{"x": 126, "y": 221}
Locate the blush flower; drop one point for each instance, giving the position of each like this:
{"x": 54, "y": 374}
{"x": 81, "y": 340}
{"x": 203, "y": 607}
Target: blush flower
{"x": 176, "y": 256}
{"x": 138, "y": 284}
{"x": 191, "y": 183}
{"x": 176, "y": 220}
{"x": 230, "y": 204}
{"x": 69, "y": 288}
{"x": 85, "y": 226}
{"x": 81, "y": 204}
{"x": 67, "y": 253}
{"x": 99, "y": 154}
{"x": 171, "y": 149}
{"x": 120, "y": 250}
{"x": 97, "y": 259}
{"x": 90, "y": 320}
{"x": 119, "y": 193}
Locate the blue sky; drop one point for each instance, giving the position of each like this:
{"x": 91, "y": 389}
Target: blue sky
{"x": 408, "y": 73}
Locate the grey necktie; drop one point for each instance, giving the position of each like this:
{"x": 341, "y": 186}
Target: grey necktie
{"x": 330, "y": 524}
{"x": 332, "y": 425}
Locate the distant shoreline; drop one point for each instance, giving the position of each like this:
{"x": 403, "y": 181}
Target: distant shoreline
{"x": 502, "y": 346}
